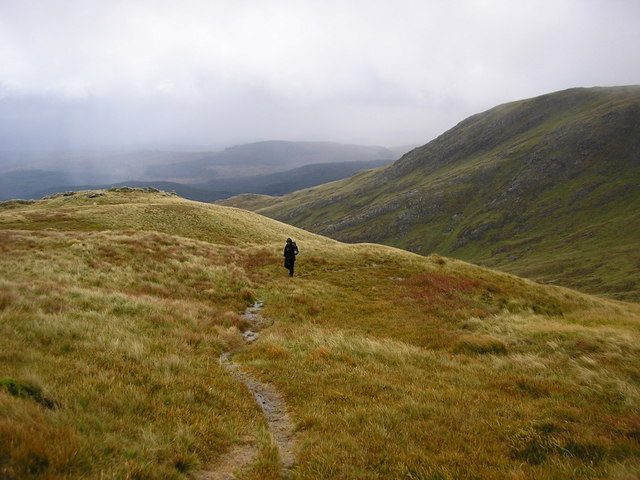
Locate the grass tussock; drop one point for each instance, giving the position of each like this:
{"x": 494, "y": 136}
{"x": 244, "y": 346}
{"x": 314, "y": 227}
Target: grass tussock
{"x": 26, "y": 390}
{"x": 480, "y": 344}
{"x": 392, "y": 365}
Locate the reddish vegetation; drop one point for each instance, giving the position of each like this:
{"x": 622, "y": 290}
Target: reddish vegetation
{"x": 436, "y": 285}
{"x": 459, "y": 295}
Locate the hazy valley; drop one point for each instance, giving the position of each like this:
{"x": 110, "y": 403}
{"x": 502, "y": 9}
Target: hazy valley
{"x": 272, "y": 167}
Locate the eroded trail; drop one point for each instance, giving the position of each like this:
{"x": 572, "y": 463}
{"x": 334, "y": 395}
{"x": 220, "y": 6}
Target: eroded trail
{"x": 273, "y": 407}
{"x": 232, "y": 461}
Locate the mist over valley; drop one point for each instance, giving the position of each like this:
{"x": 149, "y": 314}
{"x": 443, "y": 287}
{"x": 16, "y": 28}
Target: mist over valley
{"x": 274, "y": 167}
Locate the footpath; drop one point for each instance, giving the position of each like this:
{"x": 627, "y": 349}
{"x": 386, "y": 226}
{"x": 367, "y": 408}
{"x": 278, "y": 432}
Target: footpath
{"x": 273, "y": 407}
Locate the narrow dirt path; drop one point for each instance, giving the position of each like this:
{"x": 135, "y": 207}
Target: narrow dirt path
{"x": 232, "y": 461}
{"x": 273, "y": 408}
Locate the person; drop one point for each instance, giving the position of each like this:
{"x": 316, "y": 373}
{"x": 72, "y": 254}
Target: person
{"x": 290, "y": 252}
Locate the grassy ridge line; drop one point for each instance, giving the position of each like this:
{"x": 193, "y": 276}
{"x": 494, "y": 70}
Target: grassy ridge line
{"x": 394, "y": 365}
{"x": 164, "y": 213}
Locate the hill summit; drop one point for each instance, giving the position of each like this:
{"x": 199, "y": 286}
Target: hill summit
{"x": 545, "y": 187}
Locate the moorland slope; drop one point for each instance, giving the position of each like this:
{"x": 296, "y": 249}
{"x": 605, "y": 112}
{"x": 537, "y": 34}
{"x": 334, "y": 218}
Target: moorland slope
{"x": 546, "y": 188}
{"x": 116, "y": 305}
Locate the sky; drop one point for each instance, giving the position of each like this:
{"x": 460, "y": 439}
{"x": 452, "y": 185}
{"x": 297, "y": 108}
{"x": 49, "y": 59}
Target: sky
{"x": 214, "y": 73}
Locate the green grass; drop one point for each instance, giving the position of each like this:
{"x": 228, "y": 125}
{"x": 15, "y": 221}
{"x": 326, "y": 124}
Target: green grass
{"x": 393, "y": 365}
{"x": 519, "y": 188}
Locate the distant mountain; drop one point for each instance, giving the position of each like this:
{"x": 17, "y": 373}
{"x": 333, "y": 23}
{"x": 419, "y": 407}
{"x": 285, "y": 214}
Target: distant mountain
{"x": 547, "y": 188}
{"x": 95, "y": 166}
{"x": 289, "y": 181}
{"x": 266, "y": 158}
{"x": 24, "y": 183}
{"x": 35, "y": 184}
{"x": 273, "y": 168}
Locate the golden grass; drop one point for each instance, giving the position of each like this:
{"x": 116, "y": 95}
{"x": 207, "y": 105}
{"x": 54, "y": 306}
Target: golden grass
{"x": 393, "y": 365}
{"x": 126, "y": 341}
{"x": 384, "y": 409}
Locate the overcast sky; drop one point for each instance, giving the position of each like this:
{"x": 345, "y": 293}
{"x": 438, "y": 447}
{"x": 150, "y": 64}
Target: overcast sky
{"x": 214, "y": 73}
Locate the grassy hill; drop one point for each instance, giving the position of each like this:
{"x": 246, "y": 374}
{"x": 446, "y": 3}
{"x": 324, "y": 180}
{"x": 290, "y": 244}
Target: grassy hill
{"x": 546, "y": 188}
{"x": 115, "y": 306}
{"x": 183, "y": 190}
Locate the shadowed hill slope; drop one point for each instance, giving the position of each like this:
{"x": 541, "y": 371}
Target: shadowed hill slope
{"x": 289, "y": 181}
{"x": 116, "y": 305}
{"x": 546, "y": 188}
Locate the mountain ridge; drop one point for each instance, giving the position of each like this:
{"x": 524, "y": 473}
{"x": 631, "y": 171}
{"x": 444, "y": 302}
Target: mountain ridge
{"x": 270, "y": 156}
{"x": 508, "y": 188}
{"x": 27, "y": 184}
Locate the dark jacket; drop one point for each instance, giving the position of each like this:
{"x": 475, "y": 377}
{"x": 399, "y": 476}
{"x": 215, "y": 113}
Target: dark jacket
{"x": 290, "y": 251}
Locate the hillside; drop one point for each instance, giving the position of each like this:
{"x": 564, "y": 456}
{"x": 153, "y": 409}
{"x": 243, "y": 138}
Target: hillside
{"x": 182, "y": 189}
{"x": 115, "y": 307}
{"x": 546, "y": 188}
{"x": 281, "y": 183}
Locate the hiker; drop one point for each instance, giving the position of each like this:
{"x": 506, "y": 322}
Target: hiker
{"x": 290, "y": 252}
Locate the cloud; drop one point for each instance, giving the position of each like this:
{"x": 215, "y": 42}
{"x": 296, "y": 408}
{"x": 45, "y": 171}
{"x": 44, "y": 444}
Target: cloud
{"x": 217, "y": 72}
